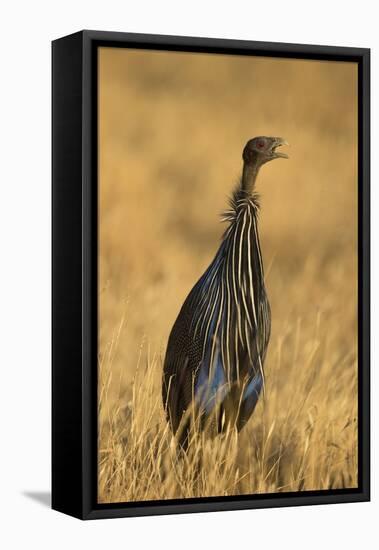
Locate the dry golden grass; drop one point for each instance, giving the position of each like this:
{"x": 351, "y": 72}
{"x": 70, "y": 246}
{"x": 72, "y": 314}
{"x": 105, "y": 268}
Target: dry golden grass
{"x": 172, "y": 128}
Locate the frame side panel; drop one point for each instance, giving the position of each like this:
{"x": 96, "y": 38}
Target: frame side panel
{"x": 67, "y": 275}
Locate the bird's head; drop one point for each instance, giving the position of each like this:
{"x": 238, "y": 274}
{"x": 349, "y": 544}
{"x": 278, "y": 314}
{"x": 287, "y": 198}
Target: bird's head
{"x": 262, "y": 149}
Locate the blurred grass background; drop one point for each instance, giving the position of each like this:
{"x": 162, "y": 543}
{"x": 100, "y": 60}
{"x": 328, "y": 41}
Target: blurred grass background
{"x": 171, "y": 131}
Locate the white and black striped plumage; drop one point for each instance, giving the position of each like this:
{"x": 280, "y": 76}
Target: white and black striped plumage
{"x": 217, "y": 346}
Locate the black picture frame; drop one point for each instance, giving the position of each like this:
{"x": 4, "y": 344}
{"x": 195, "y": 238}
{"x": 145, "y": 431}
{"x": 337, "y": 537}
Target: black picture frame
{"x": 74, "y": 273}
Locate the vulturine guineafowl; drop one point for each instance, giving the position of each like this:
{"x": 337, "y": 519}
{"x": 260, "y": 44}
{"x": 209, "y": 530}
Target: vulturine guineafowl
{"x": 213, "y": 369}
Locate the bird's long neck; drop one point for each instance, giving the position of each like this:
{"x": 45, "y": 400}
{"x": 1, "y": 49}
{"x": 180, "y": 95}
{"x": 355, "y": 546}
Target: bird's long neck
{"x": 249, "y": 176}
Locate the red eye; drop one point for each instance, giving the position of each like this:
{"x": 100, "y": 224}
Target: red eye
{"x": 260, "y": 144}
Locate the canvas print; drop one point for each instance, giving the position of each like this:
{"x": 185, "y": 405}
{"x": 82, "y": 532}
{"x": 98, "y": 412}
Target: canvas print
{"x": 227, "y": 275}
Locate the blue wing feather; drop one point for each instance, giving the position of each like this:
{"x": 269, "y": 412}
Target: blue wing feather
{"x": 211, "y": 386}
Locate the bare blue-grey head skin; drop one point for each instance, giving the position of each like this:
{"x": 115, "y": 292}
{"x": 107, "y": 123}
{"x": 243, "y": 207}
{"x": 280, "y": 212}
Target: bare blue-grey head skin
{"x": 217, "y": 347}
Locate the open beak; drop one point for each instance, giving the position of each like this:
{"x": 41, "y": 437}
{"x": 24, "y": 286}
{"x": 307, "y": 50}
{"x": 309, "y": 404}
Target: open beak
{"x": 278, "y": 142}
